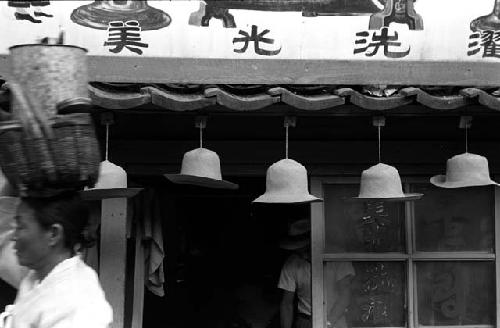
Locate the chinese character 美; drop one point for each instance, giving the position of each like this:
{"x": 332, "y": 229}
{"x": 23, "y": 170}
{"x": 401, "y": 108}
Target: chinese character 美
{"x": 489, "y": 42}
{"x": 383, "y": 40}
{"x": 125, "y": 35}
{"x": 255, "y": 38}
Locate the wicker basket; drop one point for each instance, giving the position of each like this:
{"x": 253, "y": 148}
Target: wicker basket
{"x": 53, "y": 74}
{"x": 42, "y": 167}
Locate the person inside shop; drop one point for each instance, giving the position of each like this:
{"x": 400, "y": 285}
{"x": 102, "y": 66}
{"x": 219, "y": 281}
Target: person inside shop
{"x": 295, "y": 281}
{"x": 59, "y": 290}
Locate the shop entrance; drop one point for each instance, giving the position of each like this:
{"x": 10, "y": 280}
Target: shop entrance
{"x": 222, "y": 260}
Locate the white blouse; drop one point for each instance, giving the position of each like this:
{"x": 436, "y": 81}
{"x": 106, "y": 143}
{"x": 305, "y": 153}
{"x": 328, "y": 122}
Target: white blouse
{"x": 70, "y": 296}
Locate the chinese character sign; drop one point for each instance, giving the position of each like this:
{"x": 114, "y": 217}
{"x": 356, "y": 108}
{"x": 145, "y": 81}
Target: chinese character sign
{"x": 387, "y": 30}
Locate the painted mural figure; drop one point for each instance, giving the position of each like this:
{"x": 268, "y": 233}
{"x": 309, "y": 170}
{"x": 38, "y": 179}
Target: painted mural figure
{"x": 488, "y": 22}
{"x": 23, "y": 6}
{"x": 125, "y": 35}
{"x": 220, "y": 9}
{"x": 397, "y": 11}
{"x": 101, "y": 13}
{"x": 382, "y": 40}
{"x": 256, "y": 38}
{"x": 488, "y": 41}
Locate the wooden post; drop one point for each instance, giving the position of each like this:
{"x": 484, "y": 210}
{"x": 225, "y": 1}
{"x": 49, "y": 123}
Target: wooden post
{"x": 139, "y": 271}
{"x": 112, "y": 266}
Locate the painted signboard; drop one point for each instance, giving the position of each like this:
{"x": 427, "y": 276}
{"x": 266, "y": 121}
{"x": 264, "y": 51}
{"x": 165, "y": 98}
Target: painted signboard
{"x": 424, "y": 30}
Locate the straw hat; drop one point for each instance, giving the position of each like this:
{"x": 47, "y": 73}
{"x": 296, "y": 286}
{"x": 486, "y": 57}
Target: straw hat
{"x": 111, "y": 183}
{"x": 382, "y": 182}
{"x": 298, "y": 236}
{"x": 286, "y": 182}
{"x": 464, "y": 170}
{"x": 201, "y": 167}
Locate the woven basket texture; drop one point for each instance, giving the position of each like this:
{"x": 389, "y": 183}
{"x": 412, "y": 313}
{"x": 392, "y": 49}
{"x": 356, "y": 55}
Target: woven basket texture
{"x": 42, "y": 167}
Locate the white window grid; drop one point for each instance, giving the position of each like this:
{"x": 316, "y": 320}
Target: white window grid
{"x": 410, "y": 257}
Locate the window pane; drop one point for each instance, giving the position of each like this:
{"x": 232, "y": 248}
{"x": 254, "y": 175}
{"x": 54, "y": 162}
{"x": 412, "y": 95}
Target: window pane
{"x": 361, "y": 226}
{"x": 454, "y": 219}
{"x": 456, "y": 293}
{"x": 377, "y": 293}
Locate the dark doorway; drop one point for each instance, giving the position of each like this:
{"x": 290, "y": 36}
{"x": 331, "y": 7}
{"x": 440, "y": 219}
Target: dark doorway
{"x": 222, "y": 260}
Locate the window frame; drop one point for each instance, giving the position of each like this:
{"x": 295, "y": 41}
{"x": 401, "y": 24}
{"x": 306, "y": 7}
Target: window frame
{"x": 410, "y": 258}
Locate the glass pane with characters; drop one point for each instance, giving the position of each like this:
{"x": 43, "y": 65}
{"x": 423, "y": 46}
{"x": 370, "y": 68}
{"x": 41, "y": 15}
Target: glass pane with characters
{"x": 361, "y": 226}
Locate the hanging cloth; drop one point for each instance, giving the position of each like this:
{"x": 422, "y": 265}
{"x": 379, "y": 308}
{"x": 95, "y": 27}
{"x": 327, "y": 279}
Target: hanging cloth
{"x": 148, "y": 217}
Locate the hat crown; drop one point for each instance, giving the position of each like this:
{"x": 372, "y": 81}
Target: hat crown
{"x": 111, "y": 176}
{"x": 286, "y": 182}
{"x": 467, "y": 167}
{"x": 201, "y": 162}
{"x": 288, "y": 176}
{"x": 380, "y": 181}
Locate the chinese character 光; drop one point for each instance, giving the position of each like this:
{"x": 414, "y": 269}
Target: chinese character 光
{"x": 488, "y": 40}
{"x": 383, "y": 40}
{"x": 125, "y": 35}
{"x": 256, "y": 38}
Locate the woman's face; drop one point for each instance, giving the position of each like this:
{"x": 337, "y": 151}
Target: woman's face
{"x": 32, "y": 240}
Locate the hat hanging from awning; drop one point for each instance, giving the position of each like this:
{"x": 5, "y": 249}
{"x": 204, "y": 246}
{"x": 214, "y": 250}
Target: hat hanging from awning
{"x": 382, "y": 182}
{"x": 286, "y": 180}
{"x": 112, "y": 179}
{"x": 201, "y": 166}
{"x": 464, "y": 170}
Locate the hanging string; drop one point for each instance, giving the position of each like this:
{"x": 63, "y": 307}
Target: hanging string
{"x": 201, "y": 136}
{"x": 379, "y": 146}
{"x": 286, "y": 141}
{"x": 466, "y": 139}
{"x": 107, "y": 142}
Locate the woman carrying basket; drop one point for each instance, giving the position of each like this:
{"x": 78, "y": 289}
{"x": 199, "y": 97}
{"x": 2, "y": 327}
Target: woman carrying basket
{"x": 60, "y": 290}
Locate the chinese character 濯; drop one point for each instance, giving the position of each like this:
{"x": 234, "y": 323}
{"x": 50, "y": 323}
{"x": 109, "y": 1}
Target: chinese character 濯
{"x": 256, "y": 38}
{"x": 383, "y": 40}
{"x": 488, "y": 40}
{"x": 125, "y": 35}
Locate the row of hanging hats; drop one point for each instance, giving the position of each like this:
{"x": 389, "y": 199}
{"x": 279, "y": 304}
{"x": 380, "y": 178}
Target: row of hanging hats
{"x": 287, "y": 182}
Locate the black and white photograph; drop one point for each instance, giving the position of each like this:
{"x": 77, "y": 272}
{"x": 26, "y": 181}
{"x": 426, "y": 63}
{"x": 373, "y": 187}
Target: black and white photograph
{"x": 250, "y": 164}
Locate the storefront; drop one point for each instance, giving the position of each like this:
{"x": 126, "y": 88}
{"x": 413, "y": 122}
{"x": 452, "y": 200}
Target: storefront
{"x": 425, "y": 69}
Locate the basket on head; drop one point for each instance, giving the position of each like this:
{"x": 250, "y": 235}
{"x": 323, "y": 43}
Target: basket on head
{"x": 53, "y": 74}
{"x": 42, "y": 167}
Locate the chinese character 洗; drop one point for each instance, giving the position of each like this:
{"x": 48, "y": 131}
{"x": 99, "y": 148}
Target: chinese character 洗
{"x": 383, "y": 40}
{"x": 256, "y": 38}
{"x": 125, "y": 35}
{"x": 488, "y": 41}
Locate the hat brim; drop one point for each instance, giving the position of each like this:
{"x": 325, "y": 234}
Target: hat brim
{"x": 200, "y": 181}
{"x": 440, "y": 181}
{"x": 407, "y": 197}
{"x": 286, "y": 199}
{"x": 294, "y": 244}
{"x": 98, "y": 194}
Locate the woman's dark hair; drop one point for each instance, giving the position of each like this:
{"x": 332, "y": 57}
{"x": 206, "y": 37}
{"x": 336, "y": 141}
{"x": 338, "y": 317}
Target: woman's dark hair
{"x": 68, "y": 210}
